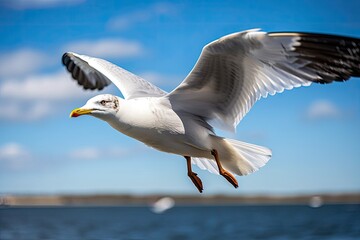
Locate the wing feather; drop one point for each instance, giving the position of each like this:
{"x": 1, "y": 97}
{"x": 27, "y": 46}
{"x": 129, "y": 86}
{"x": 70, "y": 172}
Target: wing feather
{"x": 235, "y": 71}
{"x": 94, "y": 73}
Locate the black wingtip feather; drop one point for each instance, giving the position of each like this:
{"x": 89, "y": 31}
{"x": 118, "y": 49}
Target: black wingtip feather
{"x": 332, "y": 57}
{"x": 89, "y": 80}
{"x": 65, "y": 58}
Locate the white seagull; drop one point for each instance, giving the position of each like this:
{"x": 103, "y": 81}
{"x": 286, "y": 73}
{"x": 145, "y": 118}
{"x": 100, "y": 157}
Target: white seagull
{"x": 231, "y": 74}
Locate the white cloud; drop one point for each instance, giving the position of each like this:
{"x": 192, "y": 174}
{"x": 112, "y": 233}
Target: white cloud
{"x": 22, "y": 62}
{"x": 37, "y": 4}
{"x": 16, "y": 111}
{"x": 25, "y": 61}
{"x": 55, "y": 86}
{"x": 323, "y": 109}
{"x": 90, "y": 153}
{"x": 87, "y": 153}
{"x": 12, "y": 151}
{"x": 106, "y": 48}
{"x": 127, "y": 20}
{"x": 14, "y": 155}
{"x": 37, "y": 96}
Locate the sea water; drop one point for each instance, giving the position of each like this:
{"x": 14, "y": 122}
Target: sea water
{"x": 181, "y": 222}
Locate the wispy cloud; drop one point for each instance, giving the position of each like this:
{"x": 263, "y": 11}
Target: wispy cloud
{"x": 106, "y": 48}
{"x": 14, "y": 155}
{"x": 22, "y": 62}
{"x": 37, "y": 4}
{"x": 323, "y": 109}
{"x": 17, "y": 111}
{"x": 125, "y": 21}
{"x": 26, "y": 61}
{"x": 86, "y": 153}
{"x": 54, "y": 86}
{"x": 12, "y": 150}
{"x": 91, "y": 153}
{"x": 35, "y": 97}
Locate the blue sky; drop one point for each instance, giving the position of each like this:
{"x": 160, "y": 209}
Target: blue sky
{"x": 314, "y": 131}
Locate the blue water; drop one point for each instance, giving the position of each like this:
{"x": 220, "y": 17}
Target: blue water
{"x": 209, "y": 222}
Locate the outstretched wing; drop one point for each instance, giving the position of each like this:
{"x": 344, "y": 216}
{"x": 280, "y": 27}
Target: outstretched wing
{"x": 94, "y": 73}
{"x": 235, "y": 71}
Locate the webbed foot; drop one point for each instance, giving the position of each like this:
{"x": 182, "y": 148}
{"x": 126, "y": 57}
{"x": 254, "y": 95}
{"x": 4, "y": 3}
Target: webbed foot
{"x": 193, "y": 176}
{"x": 196, "y": 180}
{"x": 227, "y": 175}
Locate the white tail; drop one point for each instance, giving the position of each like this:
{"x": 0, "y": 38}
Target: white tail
{"x": 239, "y": 158}
{"x": 252, "y": 158}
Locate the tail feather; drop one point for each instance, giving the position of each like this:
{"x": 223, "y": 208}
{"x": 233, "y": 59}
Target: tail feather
{"x": 206, "y": 164}
{"x": 239, "y": 158}
{"x": 252, "y": 158}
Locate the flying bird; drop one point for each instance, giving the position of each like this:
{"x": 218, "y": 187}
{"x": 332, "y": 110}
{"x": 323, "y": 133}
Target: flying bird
{"x": 231, "y": 74}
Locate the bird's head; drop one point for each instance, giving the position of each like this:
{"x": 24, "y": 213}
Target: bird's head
{"x": 101, "y": 106}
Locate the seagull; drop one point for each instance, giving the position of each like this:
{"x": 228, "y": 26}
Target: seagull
{"x": 231, "y": 74}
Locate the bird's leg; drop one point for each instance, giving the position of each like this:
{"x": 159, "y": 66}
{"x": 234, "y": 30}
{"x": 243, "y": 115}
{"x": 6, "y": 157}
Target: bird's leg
{"x": 193, "y": 176}
{"x": 227, "y": 175}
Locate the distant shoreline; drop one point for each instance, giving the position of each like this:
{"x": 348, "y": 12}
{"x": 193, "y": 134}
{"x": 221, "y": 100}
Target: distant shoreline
{"x": 147, "y": 200}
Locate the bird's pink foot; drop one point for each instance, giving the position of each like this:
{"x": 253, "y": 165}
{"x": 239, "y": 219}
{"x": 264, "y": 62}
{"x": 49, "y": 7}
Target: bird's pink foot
{"x": 227, "y": 175}
{"x": 196, "y": 180}
{"x": 193, "y": 176}
{"x": 231, "y": 179}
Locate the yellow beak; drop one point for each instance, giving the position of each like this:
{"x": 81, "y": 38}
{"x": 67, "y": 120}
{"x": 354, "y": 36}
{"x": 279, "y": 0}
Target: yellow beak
{"x": 79, "y": 111}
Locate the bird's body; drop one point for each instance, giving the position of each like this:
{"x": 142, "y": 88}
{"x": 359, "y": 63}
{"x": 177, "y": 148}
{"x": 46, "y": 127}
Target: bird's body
{"x": 162, "y": 129}
{"x": 168, "y": 131}
{"x": 231, "y": 74}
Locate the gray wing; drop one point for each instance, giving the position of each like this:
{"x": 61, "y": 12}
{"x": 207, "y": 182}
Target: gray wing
{"x": 235, "y": 71}
{"x": 94, "y": 73}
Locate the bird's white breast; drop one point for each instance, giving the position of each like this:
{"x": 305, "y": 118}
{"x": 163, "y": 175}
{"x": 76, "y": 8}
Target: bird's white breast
{"x": 151, "y": 121}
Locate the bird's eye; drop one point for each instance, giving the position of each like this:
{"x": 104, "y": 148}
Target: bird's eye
{"x": 103, "y": 102}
